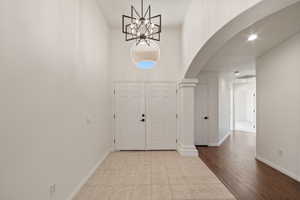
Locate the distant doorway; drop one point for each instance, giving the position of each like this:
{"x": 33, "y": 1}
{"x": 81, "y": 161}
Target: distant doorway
{"x": 244, "y": 105}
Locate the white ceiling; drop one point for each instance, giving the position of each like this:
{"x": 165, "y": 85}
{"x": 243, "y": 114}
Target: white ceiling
{"x": 238, "y": 53}
{"x": 173, "y": 11}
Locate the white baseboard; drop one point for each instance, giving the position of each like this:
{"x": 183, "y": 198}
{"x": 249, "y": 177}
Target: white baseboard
{"x": 213, "y": 144}
{"x": 86, "y": 178}
{"x": 221, "y": 141}
{"x": 187, "y": 150}
{"x": 282, "y": 170}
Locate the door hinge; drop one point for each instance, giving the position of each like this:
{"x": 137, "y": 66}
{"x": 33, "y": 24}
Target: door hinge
{"x": 114, "y": 141}
{"x": 176, "y": 91}
{"x": 176, "y": 116}
{"x": 114, "y": 91}
{"x": 114, "y": 116}
{"x": 176, "y": 141}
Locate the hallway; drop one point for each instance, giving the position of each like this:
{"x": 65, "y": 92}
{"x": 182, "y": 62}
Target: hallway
{"x": 248, "y": 179}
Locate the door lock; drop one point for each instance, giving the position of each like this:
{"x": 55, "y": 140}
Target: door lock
{"x": 143, "y": 118}
{"x": 206, "y": 118}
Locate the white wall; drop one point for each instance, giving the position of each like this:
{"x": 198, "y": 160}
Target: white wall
{"x": 278, "y": 107}
{"x": 55, "y": 96}
{"x": 203, "y": 19}
{"x": 167, "y": 69}
{"x": 225, "y": 91}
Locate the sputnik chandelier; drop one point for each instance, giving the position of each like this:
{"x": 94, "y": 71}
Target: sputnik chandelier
{"x": 144, "y": 29}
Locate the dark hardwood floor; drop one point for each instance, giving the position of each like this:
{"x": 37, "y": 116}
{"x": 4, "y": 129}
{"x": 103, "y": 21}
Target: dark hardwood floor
{"x": 248, "y": 179}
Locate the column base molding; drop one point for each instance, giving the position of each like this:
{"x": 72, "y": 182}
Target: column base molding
{"x": 190, "y": 151}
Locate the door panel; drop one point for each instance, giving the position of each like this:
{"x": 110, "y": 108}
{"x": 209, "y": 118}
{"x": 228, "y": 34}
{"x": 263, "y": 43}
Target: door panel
{"x": 129, "y": 107}
{"x": 161, "y": 116}
{"x": 201, "y": 137}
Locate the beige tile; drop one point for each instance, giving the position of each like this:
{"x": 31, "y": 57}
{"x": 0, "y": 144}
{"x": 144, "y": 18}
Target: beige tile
{"x": 102, "y": 193}
{"x": 177, "y": 180}
{"x": 86, "y": 193}
{"x": 141, "y": 192}
{"x": 143, "y": 179}
{"x": 161, "y": 192}
{"x": 121, "y": 192}
{"x": 180, "y": 192}
{"x": 153, "y": 176}
{"x": 198, "y": 180}
{"x": 159, "y": 179}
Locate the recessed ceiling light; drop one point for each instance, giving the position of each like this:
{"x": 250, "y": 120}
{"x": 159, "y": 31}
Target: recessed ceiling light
{"x": 252, "y": 37}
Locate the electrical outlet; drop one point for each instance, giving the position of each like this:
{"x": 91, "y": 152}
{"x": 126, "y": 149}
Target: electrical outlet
{"x": 52, "y": 189}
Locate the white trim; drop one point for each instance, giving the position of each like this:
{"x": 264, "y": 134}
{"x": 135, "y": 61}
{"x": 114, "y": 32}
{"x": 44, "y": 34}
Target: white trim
{"x": 221, "y": 141}
{"x": 117, "y": 82}
{"x": 282, "y": 170}
{"x": 224, "y": 138}
{"x": 188, "y": 83}
{"x": 213, "y": 144}
{"x": 86, "y": 178}
{"x": 190, "y": 151}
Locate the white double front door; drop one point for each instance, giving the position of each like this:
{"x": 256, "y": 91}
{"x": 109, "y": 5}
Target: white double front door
{"x": 145, "y": 116}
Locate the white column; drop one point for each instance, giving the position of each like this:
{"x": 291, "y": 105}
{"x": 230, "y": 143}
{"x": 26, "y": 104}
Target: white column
{"x": 186, "y": 98}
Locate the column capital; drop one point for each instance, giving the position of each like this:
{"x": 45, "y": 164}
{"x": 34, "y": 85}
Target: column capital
{"x": 188, "y": 83}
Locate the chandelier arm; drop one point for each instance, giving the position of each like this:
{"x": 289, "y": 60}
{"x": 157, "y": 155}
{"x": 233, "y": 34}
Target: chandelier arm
{"x": 142, "y": 26}
{"x": 147, "y": 12}
{"x": 138, "y": 28}
{"x": 147, "y": 42}
{"x": 130, "y": 39}
{"x": 131, "y": 10}
{"x": 148, "y": 30}
{"x": 154, "y": 39}
{"x": 142, "y": 8}
{"x": 159, "y": 26}
{"x": 152, "y": 34}
{"x": 138, "y": 42}
{"x": 136, "y": 12}
{"x": 123, "y": 22}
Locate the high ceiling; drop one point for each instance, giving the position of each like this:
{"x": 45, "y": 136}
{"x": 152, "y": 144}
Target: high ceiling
{"x": 173, "y": 11}
{"x": 240, "y": 54}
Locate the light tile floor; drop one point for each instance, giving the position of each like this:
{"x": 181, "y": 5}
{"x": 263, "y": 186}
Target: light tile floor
{"x": 153, "y": 175}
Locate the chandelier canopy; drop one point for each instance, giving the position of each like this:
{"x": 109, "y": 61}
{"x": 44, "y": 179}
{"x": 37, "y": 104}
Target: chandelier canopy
{"x": 144, "y": 29}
